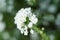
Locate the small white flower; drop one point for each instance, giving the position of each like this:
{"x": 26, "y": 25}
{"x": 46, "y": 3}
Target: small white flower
{"x": 28, "y": 10}
{"x": 30, "y": 25}
{"x": 6, "y": 35}
{"x": 19, "y": 26}
{"x": 33, "y": 19}
{"x": 31, "y": 31}
{"x": 25, "y": 32}
{"x": 22, "y": 31}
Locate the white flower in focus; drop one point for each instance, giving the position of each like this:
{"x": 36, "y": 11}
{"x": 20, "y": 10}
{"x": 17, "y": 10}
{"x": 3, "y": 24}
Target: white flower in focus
{"x": 33, "y": 19}
{"x": 31, "y": 31}
{"x": 21, "y": 18}
{"x": 42, "y": 28}
{"x": 52, "y": 37}
{"x": 22, "y": 31}
{"x": 26, "y": 32}
{"x": 30, "y": 25}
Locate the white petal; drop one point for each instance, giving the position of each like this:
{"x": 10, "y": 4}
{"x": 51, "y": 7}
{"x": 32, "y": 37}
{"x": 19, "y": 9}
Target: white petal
{"x": 31, "y": 31}
{"x": 22, "y": 32}
{"x": 25, "y": 32}
{"x": 30, "y": 25}
{"x": 33, "y": 19}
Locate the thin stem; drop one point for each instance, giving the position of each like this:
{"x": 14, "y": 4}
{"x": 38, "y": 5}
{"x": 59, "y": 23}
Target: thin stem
{"x": 41, "y": 32}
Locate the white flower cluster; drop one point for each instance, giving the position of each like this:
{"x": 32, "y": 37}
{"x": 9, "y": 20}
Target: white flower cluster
{"x": 21, "y": 18}
{"x": 2, "y": 24}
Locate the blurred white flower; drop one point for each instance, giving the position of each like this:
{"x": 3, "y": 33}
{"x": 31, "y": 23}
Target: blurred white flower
{"x": 6, "y": 36}
{"x": 31, "y": 31}
{"x": 10, "y": 2}
{"x": 57, "y": 21}
{"x": 25, "y": 32}
{"x": 30, "y": 25}
{"x": 10, "y": 8}
{"x": 52, "y": 9}
{"x": 19, "y": 25}
{"x": 2, "y": 5}
{"x": 1, "y": 16}
{"x": 21, "y": 18}
{"x": 42, "y": 28}
{"x": 51, "y": 36}
{"x": 2, "y": 26}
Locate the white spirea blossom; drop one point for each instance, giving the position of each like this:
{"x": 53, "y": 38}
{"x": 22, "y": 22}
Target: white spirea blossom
{"x": 21, "y": 18}
{"x": 30, "y": 24}
{"x": 33, "y": 19}
{"x": 31, "y": 31}
{"x": 42, "y": 28}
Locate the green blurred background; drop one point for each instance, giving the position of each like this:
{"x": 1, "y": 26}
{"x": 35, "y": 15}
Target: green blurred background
{"x": 47, "y": 11}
